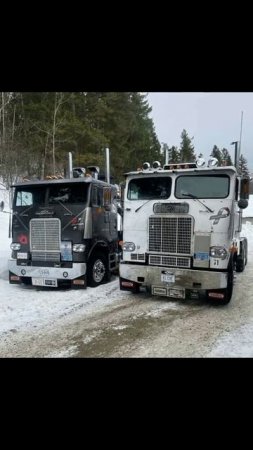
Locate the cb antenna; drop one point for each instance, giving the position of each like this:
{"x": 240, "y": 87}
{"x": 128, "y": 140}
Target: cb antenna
{"x": 240, "y": 142}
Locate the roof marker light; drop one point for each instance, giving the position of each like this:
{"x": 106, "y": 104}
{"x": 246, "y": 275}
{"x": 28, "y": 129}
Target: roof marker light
{"x": 212, "y": 162}
{"x": 200, "y": 162}
{"x": 156, "y": 164}
{"x": 146, "y": 166}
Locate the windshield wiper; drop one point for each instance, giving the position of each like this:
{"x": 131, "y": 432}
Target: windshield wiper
{"x": 188, "y": 194}
{"x": 137, "y": 209}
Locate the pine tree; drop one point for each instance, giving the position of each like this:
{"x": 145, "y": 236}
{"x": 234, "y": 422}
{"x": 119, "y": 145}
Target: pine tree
{"x": 174, "y": 155}
{"x": 186, "y": 148}
{"x": 243, "y": 167}
{"x": 38, "y": 129}
{"x": 216, "y": 153}
{"x": 226, "y": 158}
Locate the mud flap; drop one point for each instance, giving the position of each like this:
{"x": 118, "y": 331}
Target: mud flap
{"x": 128, "y": 285}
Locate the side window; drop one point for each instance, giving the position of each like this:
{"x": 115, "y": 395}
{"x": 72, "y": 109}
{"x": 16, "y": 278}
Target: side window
{"x": 133, "y": 193}
{"x": 97, "y": 196}
{"x": 107, "y": 197}
{"x": 94, "y": 197}
{"x": 24, "y": 198}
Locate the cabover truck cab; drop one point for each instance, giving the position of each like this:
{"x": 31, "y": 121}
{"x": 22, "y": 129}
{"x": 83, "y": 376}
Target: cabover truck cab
{"x": 181, "y": 230}
{"x": 64, "y": 232}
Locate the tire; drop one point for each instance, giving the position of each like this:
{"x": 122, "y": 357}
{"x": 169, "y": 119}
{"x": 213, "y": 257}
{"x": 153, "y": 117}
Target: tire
{"x": 26, "y": 280}
{"x": 246, "y": 251}
{"x": 98, "y": 272}
{"x": 136, "y": 290}
{"x": 240, "y": 264}
{"x": 241, "y": 260}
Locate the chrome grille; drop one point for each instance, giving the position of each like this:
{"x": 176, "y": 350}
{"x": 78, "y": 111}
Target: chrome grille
{"x": 170, "y": 235}
{"x": 172, "y": 261}
{"x": 45, "y": 236}
{"x": 46, "y": 256}
{"x": 137, "y": 257}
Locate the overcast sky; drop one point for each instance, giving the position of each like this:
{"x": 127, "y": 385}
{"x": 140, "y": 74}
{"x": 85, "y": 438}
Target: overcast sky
{"x": 212, "y": 118}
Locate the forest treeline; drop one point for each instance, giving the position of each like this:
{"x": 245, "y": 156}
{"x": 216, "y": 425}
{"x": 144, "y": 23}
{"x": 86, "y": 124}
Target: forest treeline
{"x": 39, "y": 129}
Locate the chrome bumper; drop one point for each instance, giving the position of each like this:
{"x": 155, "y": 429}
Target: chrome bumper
{"x": 61, "y": 273}
{"x": 184, "y": 278}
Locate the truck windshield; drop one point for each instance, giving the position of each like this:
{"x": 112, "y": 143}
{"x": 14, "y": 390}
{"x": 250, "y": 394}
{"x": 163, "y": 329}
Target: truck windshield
{"x": 149, "y": 188}
{"x": 202, "y": 186}
{"x": 42, "y": 195}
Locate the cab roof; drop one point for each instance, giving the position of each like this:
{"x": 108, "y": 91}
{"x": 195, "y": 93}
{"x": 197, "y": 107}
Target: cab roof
{"x": 163, "y": 171}
{"x": 85, "y": 180}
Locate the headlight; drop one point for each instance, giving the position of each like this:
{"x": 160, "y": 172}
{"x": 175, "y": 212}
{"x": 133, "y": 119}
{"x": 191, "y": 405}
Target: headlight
{"x": 15, "y": 246}
{"x": 78, "y": 248}
{"x": 218, "y": 252}
{"x": 128, "y": 246}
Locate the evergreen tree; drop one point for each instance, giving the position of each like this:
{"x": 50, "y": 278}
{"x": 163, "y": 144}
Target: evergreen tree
{"x": 243, "y": 166}
{"x": 216, "y": 153}
{"x": 226, "y": 158}
{"x": 38, "y": 129}
{"x": 174, "y": 155}
{"x": 186, "y": 148}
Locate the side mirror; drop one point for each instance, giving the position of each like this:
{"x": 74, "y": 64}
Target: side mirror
{"x": 243, "y": 203}
{"x": 122, "y": 192}
{"x": 244, "y": 191}
{"x": 1, "y": 205}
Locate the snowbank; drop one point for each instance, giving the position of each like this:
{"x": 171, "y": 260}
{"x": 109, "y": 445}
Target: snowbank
{"x": 248, "y": 212}
{"x": 4, "y": 233}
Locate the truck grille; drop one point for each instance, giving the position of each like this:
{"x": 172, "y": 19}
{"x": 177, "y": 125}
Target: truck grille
{"x": 45, "y": 237}
{"x": 173, "y": 261}
{"x": 170, "y": 235}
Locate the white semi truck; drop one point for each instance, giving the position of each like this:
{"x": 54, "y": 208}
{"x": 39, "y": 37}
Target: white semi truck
{"x": 181, "y": 230}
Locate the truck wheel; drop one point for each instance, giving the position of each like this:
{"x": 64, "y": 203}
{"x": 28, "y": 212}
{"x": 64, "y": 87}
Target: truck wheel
{"x": 240, "y": 264}
{"x": 246, "y": 250}
{"x": 97, "y": 270}
{"x": 241, "y": 260}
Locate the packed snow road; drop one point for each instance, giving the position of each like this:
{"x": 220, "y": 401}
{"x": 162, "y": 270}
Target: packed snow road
{"x": 106, "y": 322}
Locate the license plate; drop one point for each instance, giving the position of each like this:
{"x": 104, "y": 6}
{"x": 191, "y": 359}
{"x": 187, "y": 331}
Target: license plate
{"x": 168, "y": 278}
{"x": 50, "y": 282}
{"x": 176, "y": 293}
{"x": 21, "y": 255}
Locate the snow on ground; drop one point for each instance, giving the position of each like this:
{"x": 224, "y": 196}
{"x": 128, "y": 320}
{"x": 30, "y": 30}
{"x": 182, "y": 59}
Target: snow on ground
{"x": 239, "y": 343}
{"x": 26, "y": 307}
{"x": 248, "y": 212}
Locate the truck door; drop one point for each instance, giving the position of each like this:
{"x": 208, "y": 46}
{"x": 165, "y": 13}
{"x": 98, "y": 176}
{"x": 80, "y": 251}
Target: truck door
{"x": 111, "y": 211}
{"x": 99, "y": 226}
